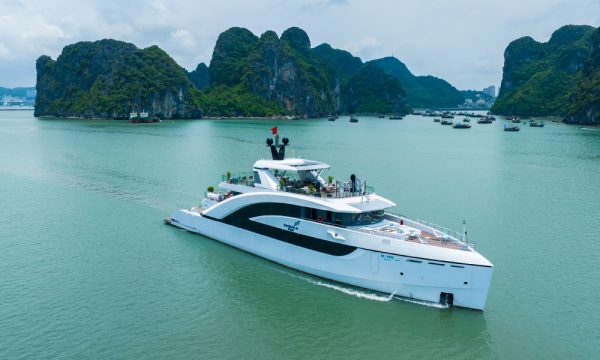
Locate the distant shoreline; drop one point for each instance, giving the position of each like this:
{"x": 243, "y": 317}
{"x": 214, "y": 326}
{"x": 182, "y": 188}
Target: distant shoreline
{"x": 16, "y": 109}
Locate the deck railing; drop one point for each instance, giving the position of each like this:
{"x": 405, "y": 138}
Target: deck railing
{"x": 337, "y": 189}
{"x": 242, "y": 178}
{"x": 443, "y": 232}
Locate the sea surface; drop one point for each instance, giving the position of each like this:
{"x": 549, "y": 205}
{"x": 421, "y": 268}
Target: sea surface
{"x": 89, "y": 270}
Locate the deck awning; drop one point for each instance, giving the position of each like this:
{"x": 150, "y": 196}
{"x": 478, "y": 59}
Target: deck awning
{"x": 291, "y": 164}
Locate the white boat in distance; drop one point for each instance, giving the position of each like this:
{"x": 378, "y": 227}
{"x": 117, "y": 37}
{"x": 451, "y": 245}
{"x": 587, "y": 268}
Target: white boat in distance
{"x": 286, "y": 212}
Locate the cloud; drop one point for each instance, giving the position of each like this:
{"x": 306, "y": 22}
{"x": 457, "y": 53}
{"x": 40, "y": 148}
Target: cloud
{"x": 3, "y": 51}
{"x": 184, "y": 40}
{"x": 364, "y": 46}
{"x": 460, "y": 41}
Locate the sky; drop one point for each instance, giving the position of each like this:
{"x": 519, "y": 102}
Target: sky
{"x": 461, "y": 41}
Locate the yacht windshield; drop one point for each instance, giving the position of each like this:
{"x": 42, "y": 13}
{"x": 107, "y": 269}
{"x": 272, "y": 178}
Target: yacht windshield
{"x": 367, "y": 218}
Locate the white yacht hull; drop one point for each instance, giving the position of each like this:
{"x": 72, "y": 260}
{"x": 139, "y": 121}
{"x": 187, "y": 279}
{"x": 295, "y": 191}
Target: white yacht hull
{"x": 386, "y": 272}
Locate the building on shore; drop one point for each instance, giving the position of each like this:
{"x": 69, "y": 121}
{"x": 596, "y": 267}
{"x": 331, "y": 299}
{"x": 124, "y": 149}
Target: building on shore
{"x": 490, "y": 90}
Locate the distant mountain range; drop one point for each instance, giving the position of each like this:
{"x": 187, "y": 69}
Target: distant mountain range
{"x": 21, "y": 92}
{"x": 421, "y": 91}
{"x": 247, "y": 76}
{"x": 559, "y": 77}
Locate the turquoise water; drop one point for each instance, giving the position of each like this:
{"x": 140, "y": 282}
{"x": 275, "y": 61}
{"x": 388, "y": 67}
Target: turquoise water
{"x": 88, "y": 270}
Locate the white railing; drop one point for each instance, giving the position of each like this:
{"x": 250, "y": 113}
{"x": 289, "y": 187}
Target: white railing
{"x": 439, "y": 231}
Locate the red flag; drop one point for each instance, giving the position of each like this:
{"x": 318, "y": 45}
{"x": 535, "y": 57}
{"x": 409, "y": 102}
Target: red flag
{"x": 274, "y": 130}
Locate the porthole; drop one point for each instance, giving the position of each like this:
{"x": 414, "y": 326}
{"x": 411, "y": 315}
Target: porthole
{"x": 401, "y": 274}
{"x": 466, "y": 282}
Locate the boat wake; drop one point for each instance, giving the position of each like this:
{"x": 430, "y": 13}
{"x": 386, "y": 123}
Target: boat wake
{"x": 362, "y": 294}
{"x": 353, "y": 292}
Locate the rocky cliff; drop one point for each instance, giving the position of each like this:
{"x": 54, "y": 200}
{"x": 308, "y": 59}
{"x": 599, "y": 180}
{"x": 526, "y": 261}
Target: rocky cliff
{"x": 247, "y": 76}
{"x": 285, "y": 70}
{"x": 109, "y": 79}
{"x": 284, "y": 75}
{"x": 539, "y": 78}
{"x": 585, "y": 100}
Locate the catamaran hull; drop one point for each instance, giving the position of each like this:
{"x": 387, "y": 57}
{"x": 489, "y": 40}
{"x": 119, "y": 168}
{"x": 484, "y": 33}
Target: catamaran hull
{"x": 421, "y": 279}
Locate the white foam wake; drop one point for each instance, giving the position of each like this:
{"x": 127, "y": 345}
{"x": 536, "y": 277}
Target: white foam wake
{"x": 353, "y": 292}
{"x": 365, "y": 294}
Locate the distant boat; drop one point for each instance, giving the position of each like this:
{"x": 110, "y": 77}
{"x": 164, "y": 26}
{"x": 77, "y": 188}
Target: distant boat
{"x": 332, "y": 118}
{"x": 396, "y": 117}
{"x": 461, "y": 126}
{"x": 466, "y": 120}
{"x": 381, "y": 116}
{"x": 447, "y": 116}
{"x": 485, "y": 120}
{"x": 511, "y": 127}
{"x": 436, "y": 120}
{"x": 353, "y": 119}
{"x": 534, "y": 123}
{"x": 142, "y": 117}
{"x": 446, "y": 122}
{"x": 516, "y": 121}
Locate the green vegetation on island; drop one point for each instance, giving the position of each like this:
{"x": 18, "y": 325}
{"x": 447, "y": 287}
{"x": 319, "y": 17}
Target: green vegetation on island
{"x": 421, "y": 91}
{"x": 200, "y": 77}
{"x": 247, "y": 76}
{"x": 539, "y": 79}
{"x": 370, "y": 90}
{"x": 110, "y": 78}
{"x": 585, "y": 99}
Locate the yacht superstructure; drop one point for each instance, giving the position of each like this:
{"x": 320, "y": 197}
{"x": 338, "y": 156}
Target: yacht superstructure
{"x": 285, "y": 211}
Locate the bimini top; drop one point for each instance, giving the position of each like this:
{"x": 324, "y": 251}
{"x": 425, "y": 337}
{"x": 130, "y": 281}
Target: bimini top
{"x": 291, "y": 164}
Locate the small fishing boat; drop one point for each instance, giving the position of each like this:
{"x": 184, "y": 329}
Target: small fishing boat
{"x": 381, "y": 116}
{"x": 466, "y": 120}
{"x": 332, "y": 118}
{"x": 436, "y": 120}
{"x": 353, "y": 119}
{"x": 485, "y": 120}
{"x": 445, "y": 122}
{"x": 461, "y": 126}
{"x": 396, "y": 117}
{"x": 511, "y": 127}
{"x": 534, "y": 123}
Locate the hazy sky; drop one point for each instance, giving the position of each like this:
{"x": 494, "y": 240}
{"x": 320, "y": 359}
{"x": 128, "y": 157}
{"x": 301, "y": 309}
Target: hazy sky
{"x": 461, "y": 41}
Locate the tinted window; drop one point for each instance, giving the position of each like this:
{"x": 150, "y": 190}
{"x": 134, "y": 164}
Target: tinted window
{"x": 256, "y": 178}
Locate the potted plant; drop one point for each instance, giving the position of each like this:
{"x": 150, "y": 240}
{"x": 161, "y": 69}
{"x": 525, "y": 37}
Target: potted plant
{"x": 282, "y": 183}
{"x": 311, "y": 189}
{"x": 210, "y": 189}
{"x": 329, "y": 179}
{"x": 228, "y": 176}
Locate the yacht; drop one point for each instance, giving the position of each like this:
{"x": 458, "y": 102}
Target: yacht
{"x": 286, "y": 211}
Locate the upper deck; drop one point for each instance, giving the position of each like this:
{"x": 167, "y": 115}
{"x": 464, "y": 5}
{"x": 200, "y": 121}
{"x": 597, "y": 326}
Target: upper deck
{"x": 298, "y": 176}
